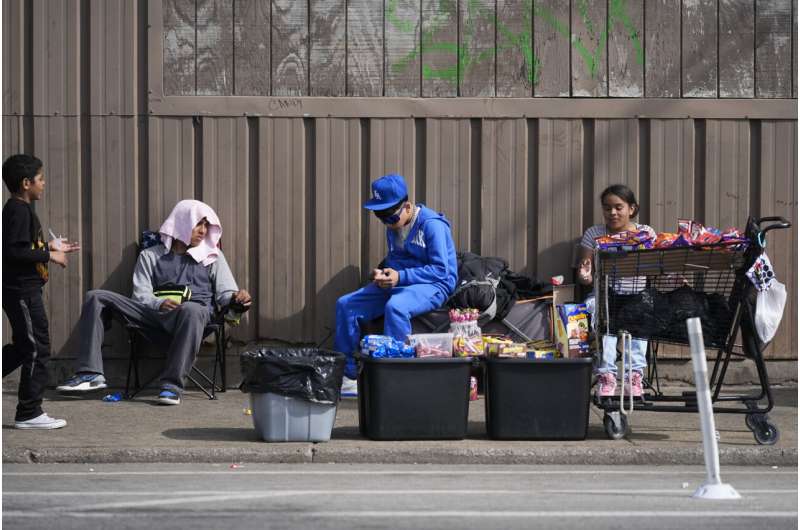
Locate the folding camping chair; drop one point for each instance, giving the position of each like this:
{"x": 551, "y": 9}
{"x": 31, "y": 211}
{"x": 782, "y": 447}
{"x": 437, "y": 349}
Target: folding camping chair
{"x": 216, "y": 327}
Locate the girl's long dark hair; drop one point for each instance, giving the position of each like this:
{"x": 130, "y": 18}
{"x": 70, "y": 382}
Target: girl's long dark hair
{"x": 623, "y": 192}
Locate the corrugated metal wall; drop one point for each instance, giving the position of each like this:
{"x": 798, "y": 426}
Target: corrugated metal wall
{"x": 76, "y": 76}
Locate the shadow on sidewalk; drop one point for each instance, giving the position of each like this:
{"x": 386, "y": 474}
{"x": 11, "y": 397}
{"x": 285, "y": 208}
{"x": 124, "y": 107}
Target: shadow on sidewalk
{"x": 213, "y": 434}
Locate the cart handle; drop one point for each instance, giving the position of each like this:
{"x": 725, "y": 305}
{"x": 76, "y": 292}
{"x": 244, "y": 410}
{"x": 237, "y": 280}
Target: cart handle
{"x": 780, "y": 222}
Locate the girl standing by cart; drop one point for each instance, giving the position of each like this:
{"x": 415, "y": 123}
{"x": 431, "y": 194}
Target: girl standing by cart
{"x": 619, "y": 209}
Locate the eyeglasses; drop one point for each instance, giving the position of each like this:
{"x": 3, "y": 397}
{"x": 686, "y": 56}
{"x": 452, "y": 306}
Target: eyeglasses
{"x": 389, "y": 217}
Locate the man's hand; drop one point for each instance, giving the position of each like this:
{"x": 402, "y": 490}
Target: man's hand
{"x": 168, "y": 304}
{"x": 388, "y": 278}
{"x": 243, "y": 297}
{"x": 59, "y": 257}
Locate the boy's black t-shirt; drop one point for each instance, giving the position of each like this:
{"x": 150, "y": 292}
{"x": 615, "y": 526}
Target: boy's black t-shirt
{"x": 25, "y": 253}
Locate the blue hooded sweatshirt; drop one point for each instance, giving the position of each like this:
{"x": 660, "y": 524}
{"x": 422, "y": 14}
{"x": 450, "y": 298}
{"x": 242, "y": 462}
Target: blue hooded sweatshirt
{"x": 428, "y": 255}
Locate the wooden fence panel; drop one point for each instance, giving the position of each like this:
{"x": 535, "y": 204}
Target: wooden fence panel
{"x": 56, "y": 58}
{"x": 662, "y": 70}
{"x": 328, "y": 48}
{"x": 114, "y": 203}
{"x": 448, "y": 175}
{"x": 699, "y": 47}
{"x": 338, "y": 196}
{"x": 226, "y": 188}
{"x": 513, "y": 41}
{"x": 773, "y": 48}
{"x": 282, "y": 195}
{"x": 626, "y": 48}
{"x": 616, "y": 160}
{"x": 252, "y": 42}
{"x": 439, "y": 48}
{"x": 672, "y": 173}
{"x": 170, "y": 167}
{"x": 57, "y": 142}
{"x": 477, "y": 50}
{"x": 779, "y": 197}
{"x": 504, "y": 192}
{"x": 402, "y": 33}
{"x": 559, "y": 196}
{"x": 365, "y": 55}
{"x": 113, "y": 58}
{"x": 727, "y": 176}
{"x": 289, "y": 48}
{"x": 15, "y": 57}
{"x": 736, "y": 49}
{"x": 180, "y": 43}
{"x": 589, "y": 49}
{"x": 552, "y": 38}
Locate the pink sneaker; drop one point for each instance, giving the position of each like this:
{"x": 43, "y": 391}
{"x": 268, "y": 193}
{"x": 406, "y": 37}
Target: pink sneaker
{"x": 606, "y": 384}
{"x": 634, "y": 386}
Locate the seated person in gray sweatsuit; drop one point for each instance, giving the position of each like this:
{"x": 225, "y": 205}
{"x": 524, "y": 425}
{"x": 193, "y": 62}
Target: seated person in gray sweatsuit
{"x": 192, "y": 260}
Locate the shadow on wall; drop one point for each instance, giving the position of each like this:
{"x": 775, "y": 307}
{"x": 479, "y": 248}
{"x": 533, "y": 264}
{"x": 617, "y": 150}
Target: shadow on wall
{"x": 316, "y": 321}
{"x": 120, "y": 280}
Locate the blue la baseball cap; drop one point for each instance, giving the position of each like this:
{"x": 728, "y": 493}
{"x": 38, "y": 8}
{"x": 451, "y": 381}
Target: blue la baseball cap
{"x": 386, "y": 192}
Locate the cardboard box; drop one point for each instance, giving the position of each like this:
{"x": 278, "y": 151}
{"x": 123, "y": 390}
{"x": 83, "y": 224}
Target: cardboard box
{"x": 571, "y": 323}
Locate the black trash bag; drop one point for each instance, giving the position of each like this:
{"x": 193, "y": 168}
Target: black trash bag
{"x": 312, "y": 374}
{"x": 635, "y": 313}
{"x": 682, "y": 304}
{"x": 720, "y": 320}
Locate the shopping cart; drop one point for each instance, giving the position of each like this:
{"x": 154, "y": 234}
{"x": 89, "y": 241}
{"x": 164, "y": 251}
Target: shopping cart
{"x": 649, "y": 294}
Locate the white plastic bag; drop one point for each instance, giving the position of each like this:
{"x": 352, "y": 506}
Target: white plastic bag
{"x": 769, "y": 310}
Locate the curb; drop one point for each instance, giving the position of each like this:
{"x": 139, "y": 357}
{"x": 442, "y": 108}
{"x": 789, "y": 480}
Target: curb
{"x": 319, "y": 453}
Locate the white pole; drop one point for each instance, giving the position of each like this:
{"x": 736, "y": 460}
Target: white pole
{"x": 713, "y": 487}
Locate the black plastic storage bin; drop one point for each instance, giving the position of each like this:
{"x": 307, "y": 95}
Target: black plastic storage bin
{"x": 413, "y": 399}
{"x": 541, "y": 399}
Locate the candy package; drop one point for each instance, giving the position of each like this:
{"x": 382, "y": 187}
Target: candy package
{"x": 625, "y": 241}
{"x": 467, "y": 337}
{"x": 432, "y": 344}
{"x": 382, "y": 346}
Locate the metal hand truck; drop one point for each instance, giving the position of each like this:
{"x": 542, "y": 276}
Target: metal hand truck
{"x": 649, "y": 294}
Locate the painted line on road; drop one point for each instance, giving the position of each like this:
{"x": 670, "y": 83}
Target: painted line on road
{"x": 418, "y": 514}
{"x": 650, "y": 471}
{"x": 374, "y": 492}
{"x": 263, "y": 495}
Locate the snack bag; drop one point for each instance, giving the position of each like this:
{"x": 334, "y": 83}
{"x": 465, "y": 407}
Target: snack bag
{"x": 572, "y": 330}
{"x": 382, "y": 346}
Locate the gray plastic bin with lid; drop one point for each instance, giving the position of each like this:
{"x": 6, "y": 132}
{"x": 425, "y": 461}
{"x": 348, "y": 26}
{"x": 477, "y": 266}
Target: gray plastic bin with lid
{"x": 279, "y": 418}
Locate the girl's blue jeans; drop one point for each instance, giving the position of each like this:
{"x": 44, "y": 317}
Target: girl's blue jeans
{"x": 606, "y": 359}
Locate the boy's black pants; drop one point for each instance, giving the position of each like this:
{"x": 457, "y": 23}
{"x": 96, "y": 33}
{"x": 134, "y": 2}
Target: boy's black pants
{"x": 29, "y": 349}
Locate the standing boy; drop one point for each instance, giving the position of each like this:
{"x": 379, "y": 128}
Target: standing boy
{"x": 417, "y": 275}
{"x": 25, "y": 258}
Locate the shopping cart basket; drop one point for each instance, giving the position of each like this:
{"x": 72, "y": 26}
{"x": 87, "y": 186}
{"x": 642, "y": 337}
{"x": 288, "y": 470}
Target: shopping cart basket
{"x": 649, "y": 294}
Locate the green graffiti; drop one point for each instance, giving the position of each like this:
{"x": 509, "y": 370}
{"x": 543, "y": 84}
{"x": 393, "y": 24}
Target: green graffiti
{"x": 467, "y": 58}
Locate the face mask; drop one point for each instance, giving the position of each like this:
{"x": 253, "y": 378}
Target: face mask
{"x": 391, "y": 219}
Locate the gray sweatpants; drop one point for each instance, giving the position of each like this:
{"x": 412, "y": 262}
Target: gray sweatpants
{"x": 181, "y": 330}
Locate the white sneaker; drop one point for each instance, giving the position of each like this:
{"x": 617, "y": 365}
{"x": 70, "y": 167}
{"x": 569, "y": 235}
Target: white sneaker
{"x": 43, "y": 422}
{"x": 349, "y": 387}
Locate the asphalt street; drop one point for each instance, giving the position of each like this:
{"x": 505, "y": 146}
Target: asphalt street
{"x": 213, "y": 496}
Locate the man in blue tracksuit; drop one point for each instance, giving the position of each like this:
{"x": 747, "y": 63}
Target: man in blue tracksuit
{"x": 417, "y": 275}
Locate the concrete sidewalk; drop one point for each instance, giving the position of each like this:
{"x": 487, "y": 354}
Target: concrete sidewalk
{"x": 200, "y": 430}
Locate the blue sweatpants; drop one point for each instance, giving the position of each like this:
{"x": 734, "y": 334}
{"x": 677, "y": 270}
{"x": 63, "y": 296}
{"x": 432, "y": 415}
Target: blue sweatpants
{"x": 398, "y": 305}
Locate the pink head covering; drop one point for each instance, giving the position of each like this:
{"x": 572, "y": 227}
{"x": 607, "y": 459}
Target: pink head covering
{"x": 180, "y": 223}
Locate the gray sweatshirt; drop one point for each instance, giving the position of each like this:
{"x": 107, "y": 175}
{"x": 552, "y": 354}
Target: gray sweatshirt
{"x": 220, "y": 273}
